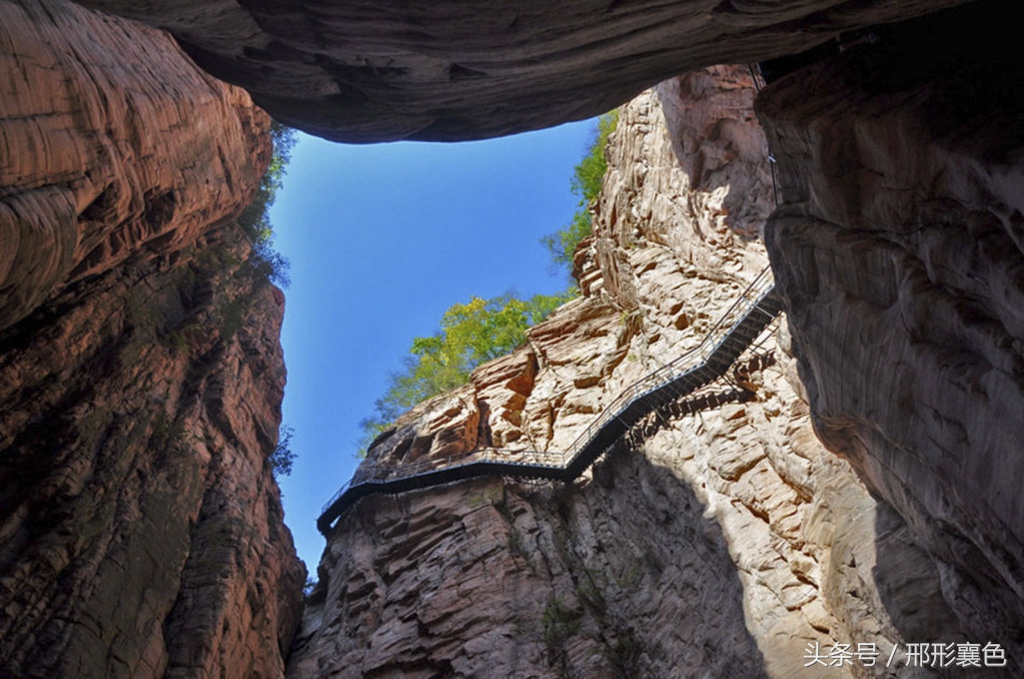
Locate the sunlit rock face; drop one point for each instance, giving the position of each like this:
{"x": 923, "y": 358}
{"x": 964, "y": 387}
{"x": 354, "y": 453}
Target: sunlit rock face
{"x": 716, "y": 543}
{"x": 900, "y": 251}
{"x": 113, "y": 147}
{"x": 141, "y": 531}
{"x": 389, "y": 69}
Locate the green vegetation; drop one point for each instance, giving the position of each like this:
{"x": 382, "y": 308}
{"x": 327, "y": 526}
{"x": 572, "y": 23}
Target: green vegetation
{"x": 586, "y": 183}
{"x": 623, "y": 656}
{"x": 485, "y": 329}
{"x": 264, "y": 265}
{"x": 560, "y": 622}
{"x": 267, "y": 264}
{"x": 470, "y": 334}
{"x": 280, "y": 460}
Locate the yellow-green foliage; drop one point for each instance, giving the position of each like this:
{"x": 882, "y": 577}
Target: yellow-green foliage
{"x": 586, "y": 183}
{"x": 485, "y": 329}
{"x": 470, "y": 334}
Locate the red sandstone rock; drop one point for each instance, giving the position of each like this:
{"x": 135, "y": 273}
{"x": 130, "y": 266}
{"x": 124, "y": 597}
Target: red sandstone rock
{"x": 900, "y": 253}
{"x": 715, "y": 543}
{"x": 113, "y": 146}
{"x": 141, "y": 529}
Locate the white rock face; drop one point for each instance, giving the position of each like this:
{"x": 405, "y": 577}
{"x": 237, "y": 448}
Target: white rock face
{"x": 711, "y": 542}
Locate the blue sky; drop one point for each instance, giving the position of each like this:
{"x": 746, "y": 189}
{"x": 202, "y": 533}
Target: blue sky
{"x": 382, "y": 239}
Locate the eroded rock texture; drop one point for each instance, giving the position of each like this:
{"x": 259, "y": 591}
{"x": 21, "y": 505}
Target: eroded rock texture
{"x": 141, "y": 375}
{"x": 899, "y": 250}
{"x": 389, "y": 69}
{"x": 720, "y": 539}
{"x": 142, "y": 529}
{"x": 113, "y": 147}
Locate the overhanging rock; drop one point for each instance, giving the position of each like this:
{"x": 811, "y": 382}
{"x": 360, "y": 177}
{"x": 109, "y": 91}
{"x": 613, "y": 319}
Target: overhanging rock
{"x": 382, "y": 70}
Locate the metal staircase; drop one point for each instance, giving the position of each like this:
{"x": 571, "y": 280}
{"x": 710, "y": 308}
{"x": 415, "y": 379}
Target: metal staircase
{"x": 737, "y": 329}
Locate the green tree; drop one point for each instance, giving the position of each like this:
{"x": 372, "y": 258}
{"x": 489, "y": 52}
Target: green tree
{"x": 470, "y": 334}
{"x": 587, "y": 179}
{"x": 282, "y": 457}
{"x": 264, "y": 261}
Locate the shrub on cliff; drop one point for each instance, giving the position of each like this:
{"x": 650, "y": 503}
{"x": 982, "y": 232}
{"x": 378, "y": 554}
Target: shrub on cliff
{"x": 266, "y": 263}
{"x": 586, "y": 183}
{"x": 281, "y": 458}
{"x": 470, "y": 334}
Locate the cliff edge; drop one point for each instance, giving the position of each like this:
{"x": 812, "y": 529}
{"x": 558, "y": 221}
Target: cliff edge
{"x": 141, "y": 375}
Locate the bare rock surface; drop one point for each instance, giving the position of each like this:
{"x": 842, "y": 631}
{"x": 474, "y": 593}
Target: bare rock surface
{"x": 141, "y": 526}
{"x": 719, "y": 539}
{"x": 113, "y": 146}
{"x": 389, "y": 69}
{"x": 900, "y": 253}
{"x": 141, "y": 530}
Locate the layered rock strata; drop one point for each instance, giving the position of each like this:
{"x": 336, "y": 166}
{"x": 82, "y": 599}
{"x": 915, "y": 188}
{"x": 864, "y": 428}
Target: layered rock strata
{"x": 142, "y": 529}
{"x": 900, "y": 252}
{"x": 388, "y": 69}
{"x": 141, "y": 375}
{"x": 113, "y": 147}
{"x": 720, "y": 539}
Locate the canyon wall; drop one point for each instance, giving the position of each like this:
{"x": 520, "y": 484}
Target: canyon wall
{"x": 718, "y": 539}
{"x": 448, "y": 70}
{"x": 115, "y": 148}
{"x": 899, "y": 252}
{"x": 141, "y": 375}
{"x": 140, "y": 372}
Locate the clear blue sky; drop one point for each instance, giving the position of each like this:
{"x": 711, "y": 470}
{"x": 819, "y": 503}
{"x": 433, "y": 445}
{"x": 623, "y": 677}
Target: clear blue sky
{"x": 382, "y": 240}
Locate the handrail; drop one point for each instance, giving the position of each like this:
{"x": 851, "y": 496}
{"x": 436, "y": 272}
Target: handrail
{"x": 755, "y": 296}
{"x": 762, "y": 284}
{"x": 495, "y": 460}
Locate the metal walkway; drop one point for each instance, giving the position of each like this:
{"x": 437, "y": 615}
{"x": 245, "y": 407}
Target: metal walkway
{"x": 735, "y": 331}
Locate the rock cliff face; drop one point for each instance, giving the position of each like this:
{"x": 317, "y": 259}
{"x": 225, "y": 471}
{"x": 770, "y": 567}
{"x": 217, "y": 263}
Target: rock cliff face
{"x": 719, "y": 539}
{"x": 447, "y": 70}
{"x": 114, "y": 148}
{"x": 141, "y": 376}
{"x": 899, "y": 250}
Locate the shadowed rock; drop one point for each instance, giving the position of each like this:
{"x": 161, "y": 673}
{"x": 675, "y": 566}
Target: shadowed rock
{"x": 382, "y": 70}
{"x": 899, "y": 248}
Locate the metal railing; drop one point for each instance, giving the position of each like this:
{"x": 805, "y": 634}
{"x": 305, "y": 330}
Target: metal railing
{"x": 377, "y": 472}
{"x": 687, "y": 364}
{"x": 752, "y": 298}
{"x": 760, "y": 288}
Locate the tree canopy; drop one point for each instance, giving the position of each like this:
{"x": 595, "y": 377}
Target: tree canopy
{"x": 470, "y": 334}
{"x": 587, "y": 179}
{"x": 485, "y": 329}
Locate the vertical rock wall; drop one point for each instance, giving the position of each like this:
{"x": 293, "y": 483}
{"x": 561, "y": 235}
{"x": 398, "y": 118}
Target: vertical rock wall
{"x": 716, "y": 543}
{"x": 142, "y": 528}
{"x": 113, "y": 147}
{"x": 900, "y": 251}
{"x": 141, "y": 375}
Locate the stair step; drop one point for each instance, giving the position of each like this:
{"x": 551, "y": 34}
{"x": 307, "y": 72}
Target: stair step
{"x": 658, "y": 389}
